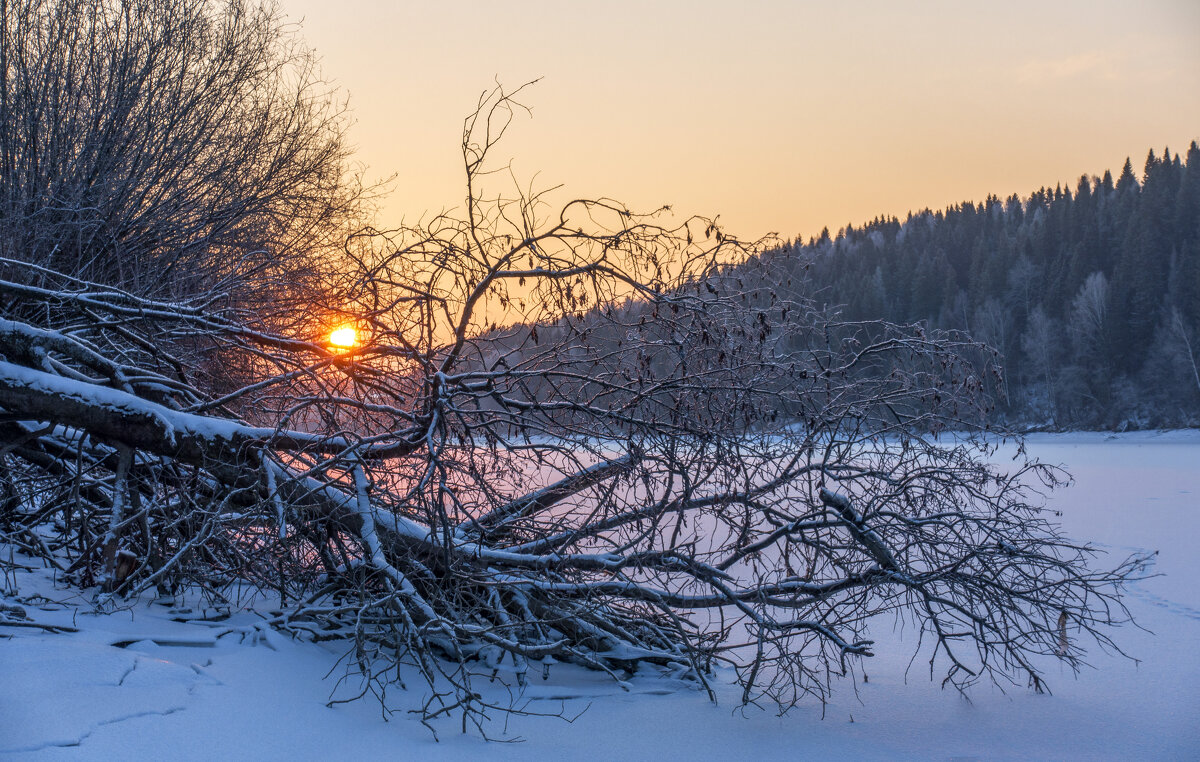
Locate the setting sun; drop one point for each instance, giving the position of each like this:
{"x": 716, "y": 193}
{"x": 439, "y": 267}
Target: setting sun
{"x": 344, "y": 337}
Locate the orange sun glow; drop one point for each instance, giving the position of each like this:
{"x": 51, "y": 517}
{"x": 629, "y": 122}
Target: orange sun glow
{"x": 344, "y": 337}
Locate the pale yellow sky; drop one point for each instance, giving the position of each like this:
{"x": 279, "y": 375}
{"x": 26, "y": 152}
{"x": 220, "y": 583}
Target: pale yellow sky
{"x": 779, "y": 116}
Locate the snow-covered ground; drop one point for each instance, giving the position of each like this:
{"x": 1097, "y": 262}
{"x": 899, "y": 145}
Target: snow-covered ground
{"x": 139, "y": 685}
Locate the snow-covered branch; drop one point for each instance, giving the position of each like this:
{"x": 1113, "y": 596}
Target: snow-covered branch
{"x": 563, "y": 435}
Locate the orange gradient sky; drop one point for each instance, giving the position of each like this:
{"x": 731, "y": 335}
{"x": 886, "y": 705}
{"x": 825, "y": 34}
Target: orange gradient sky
{"x": 779, "y": 116}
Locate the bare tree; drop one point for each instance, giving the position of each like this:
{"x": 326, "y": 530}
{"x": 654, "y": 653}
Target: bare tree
{"x": 1042, "y": 346}
{"x": 661, "y": 463}
{"x": 169, "y": 147}
{"x": 1088, "y": 312}
{"x": 1180, "y": 329}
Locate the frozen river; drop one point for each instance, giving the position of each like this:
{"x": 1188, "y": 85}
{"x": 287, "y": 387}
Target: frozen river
{"x": 179, "y": 693}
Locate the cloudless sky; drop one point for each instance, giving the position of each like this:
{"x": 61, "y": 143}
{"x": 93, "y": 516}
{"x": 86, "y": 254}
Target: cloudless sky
{"x": 779, "y": 116}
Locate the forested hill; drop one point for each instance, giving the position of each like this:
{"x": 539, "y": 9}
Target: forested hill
{"x": 1091, "y": 293}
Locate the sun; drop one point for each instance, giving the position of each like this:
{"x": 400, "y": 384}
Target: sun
{"x": 343, "y": 338}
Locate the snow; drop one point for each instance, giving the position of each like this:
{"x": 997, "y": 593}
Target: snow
{"x": 211, "y": 429}
{"x": 208, "y": 427}
{"x": 136, "y": 684}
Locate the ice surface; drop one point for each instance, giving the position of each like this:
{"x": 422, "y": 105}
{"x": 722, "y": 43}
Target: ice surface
{"x": 182, "y": 690}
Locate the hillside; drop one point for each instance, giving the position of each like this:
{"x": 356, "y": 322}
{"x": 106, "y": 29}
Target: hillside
{"x": 1091, "y": 294}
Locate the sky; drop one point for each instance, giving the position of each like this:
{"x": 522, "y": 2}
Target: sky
{"x": 778, "y": 116}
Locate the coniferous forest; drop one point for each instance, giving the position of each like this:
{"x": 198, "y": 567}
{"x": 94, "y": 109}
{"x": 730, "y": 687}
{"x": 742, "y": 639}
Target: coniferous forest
{"x": 1091, "y": 294}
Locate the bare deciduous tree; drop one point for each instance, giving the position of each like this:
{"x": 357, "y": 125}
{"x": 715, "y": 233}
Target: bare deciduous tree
{"x": 1088, "y": 312}
{"x": 169, "y": 147}
{"x": 1180, "y": 329}
{"x": 660, "y": 465}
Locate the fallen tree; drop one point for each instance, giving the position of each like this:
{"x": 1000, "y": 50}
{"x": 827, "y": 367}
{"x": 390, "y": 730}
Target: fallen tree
{"x": 559, "y": 437}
